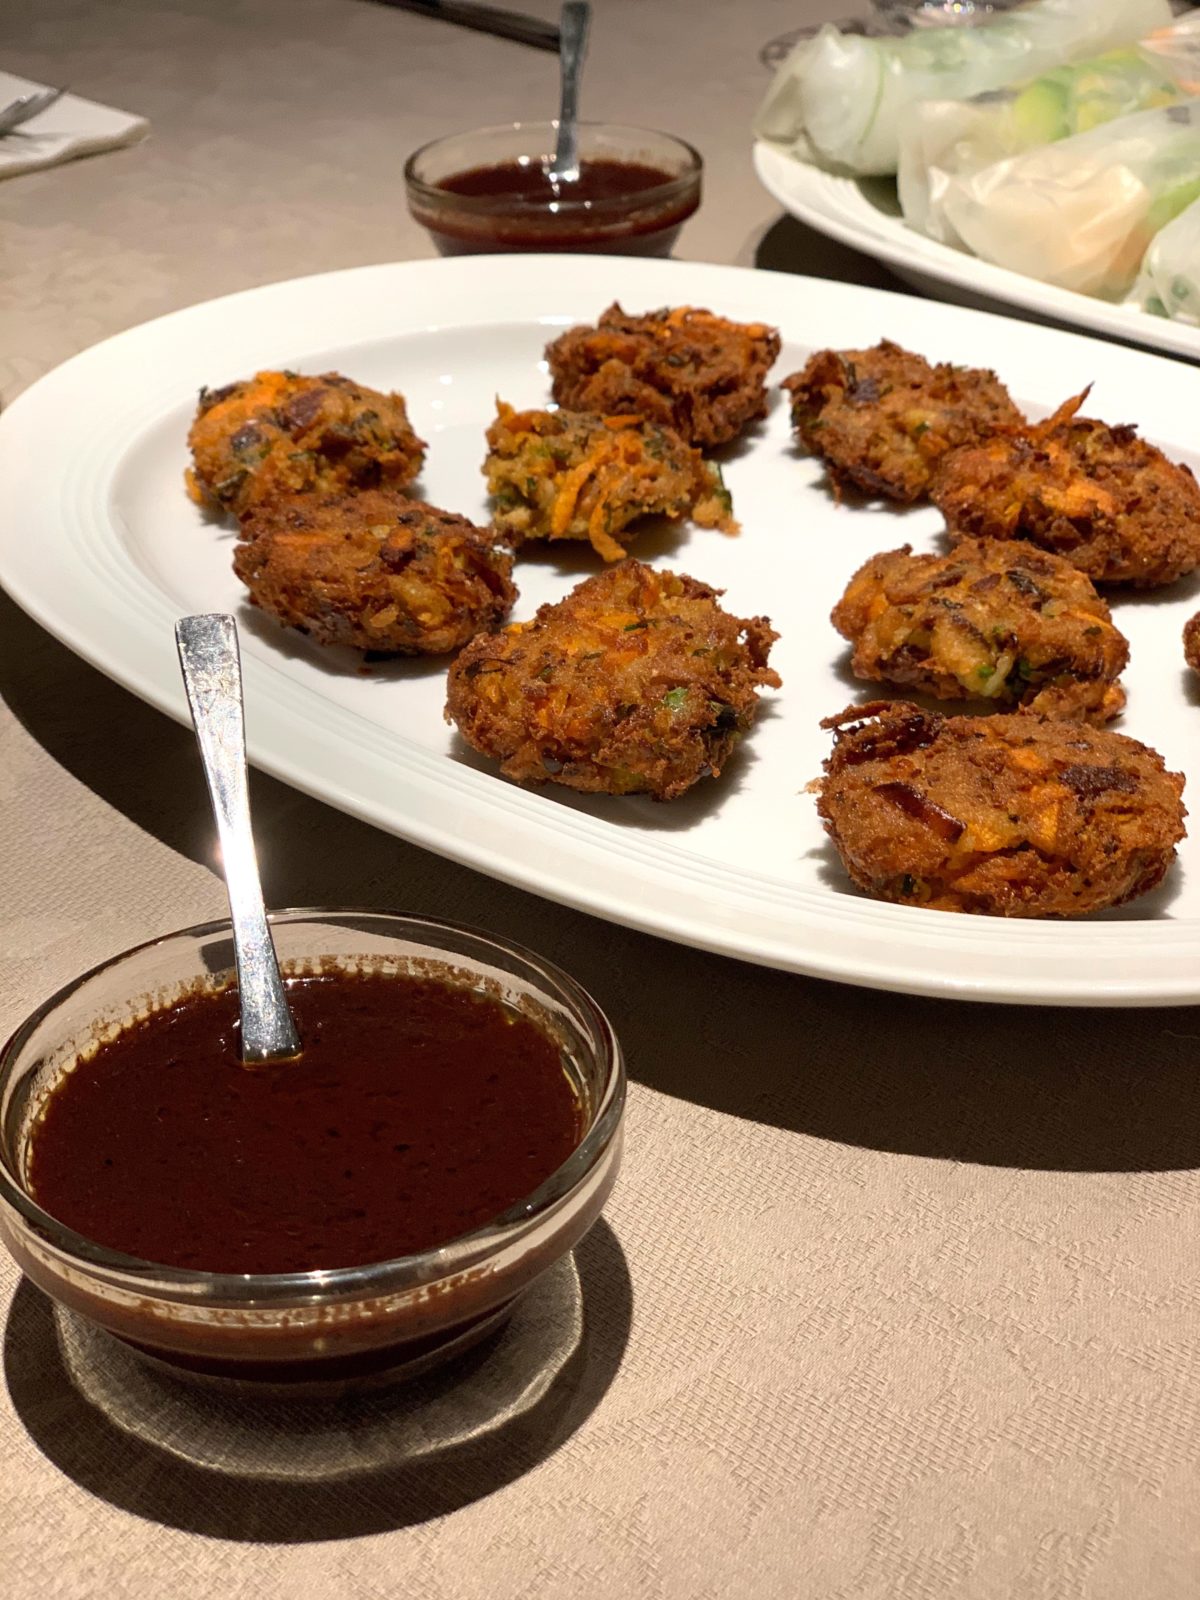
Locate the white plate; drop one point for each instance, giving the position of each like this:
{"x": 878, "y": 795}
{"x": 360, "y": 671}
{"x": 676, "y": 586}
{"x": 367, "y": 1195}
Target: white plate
{"x": 864, "y": 213}
{"x": 100, "y": 544}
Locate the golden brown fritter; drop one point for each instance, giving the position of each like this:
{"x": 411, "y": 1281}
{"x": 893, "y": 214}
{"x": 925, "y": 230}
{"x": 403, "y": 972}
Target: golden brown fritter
{"x": 996, "y": 620}
{"x": 1112, "y": 504}
{"x": 883, "y": 418}
{"x": 1191, "y": 642}
{"x": 1012, "y": 816}
{"x": 573, "y": 475}
{"x": 699, "y": 373}
{"x": 281, "y": 433}
{"x": 636, "y": 683}
{"x": 374, "y": 570}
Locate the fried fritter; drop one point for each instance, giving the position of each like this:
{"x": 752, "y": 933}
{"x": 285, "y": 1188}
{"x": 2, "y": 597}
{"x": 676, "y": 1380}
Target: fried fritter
{"x": 281, "y": 433}
{"x": 1191, "y": 642}
{"x": 1012, "y": 816}
{"x": 697, "y": 372}
{"x": 883, "y": 418}
{"x": 374, "y": 570}
{"x": 636, "y": 683}
{"x": 996, "y": 620}
{"x": 1112, "y": 504}
{"x": 573, "y": 475}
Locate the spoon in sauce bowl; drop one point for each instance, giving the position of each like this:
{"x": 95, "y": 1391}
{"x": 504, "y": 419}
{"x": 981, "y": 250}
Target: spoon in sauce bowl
{"x": 212, "y": 676}
{"x": 572, "y": 32}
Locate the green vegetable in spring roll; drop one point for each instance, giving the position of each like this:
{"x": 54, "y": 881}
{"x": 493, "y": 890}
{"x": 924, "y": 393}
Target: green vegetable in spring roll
{"x": 942, "y": 139}
{"x": 1169, "y": 283}
{"x": 838, "y": 99}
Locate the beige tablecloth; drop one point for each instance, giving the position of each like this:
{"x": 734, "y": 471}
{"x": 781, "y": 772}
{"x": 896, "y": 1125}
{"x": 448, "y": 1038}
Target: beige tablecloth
{"x": 893, "y": 1298}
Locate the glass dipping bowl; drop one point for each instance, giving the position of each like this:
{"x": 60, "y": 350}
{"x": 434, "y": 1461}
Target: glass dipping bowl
{"x": 390, "y": 1319}
{"x": 640, "y": 222}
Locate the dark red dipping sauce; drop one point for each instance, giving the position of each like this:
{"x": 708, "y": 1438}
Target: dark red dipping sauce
{"x": 617, "y": 207}
{"x": 417, "y": 1112}
{"x": 598, "y": 180}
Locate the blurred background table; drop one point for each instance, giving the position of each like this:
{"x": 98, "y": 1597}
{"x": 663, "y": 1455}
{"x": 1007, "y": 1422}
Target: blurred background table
{"x": 895, "y": 1297}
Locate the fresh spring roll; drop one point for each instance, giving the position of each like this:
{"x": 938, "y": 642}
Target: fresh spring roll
{"x": 943, "y": 139}
{"x": 1081, "y": 213}
{"x": 838, "y": 98}
{"x": 1169, "y": 283}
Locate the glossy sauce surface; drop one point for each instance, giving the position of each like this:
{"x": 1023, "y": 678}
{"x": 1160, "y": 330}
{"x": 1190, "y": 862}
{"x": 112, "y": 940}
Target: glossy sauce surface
{"x": 598, "y": 180}
{"x": 417, "y": 1112}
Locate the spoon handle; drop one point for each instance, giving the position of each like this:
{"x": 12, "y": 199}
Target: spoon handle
{"x": 212, "y": 676}
{"x": 572, "y": 46}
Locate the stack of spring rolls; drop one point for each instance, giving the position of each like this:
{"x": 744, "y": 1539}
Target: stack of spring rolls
{"x": 1061, "y": 140}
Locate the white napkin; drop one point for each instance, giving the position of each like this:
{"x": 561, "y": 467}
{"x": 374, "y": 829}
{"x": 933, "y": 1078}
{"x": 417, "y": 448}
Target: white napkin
{"x": 71, "y": 127}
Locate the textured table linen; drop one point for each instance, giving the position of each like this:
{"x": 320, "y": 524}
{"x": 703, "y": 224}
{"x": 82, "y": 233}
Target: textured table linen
{"x": 894, "y": 1297}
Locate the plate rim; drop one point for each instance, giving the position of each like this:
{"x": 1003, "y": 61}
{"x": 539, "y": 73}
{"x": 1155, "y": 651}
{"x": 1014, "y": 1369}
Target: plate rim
{"x": 803, "y": 189}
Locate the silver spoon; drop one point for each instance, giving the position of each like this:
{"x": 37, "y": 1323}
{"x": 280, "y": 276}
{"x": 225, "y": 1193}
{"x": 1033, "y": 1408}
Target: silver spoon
{"x": 572, "y": 47}
{"x": 212, "y": 676}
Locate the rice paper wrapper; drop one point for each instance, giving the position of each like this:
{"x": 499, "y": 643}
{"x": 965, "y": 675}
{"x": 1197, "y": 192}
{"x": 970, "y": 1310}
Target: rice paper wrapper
{"x": 1081, "y": 213}
{"x": 944, "y": 139}
{"x": 1169, "y": 283}
{"x": 839, "y": 99}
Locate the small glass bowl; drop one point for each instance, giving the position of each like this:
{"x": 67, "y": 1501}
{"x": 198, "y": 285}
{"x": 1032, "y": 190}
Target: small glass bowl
{"x": 642, "y": 222}
{"x": 390, "y": 1319}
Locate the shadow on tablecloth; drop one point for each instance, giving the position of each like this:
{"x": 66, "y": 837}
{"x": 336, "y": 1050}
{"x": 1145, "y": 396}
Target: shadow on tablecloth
{"x": 789, "y": 245}
{"x": 292, "y": 1472}
{"x": 1011, "y": 1086}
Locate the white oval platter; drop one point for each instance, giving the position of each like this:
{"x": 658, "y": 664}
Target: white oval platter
{"x": 99, "y": 542}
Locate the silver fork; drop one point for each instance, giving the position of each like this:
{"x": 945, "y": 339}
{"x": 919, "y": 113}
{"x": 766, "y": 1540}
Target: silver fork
{"x": 28, "y": 106}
